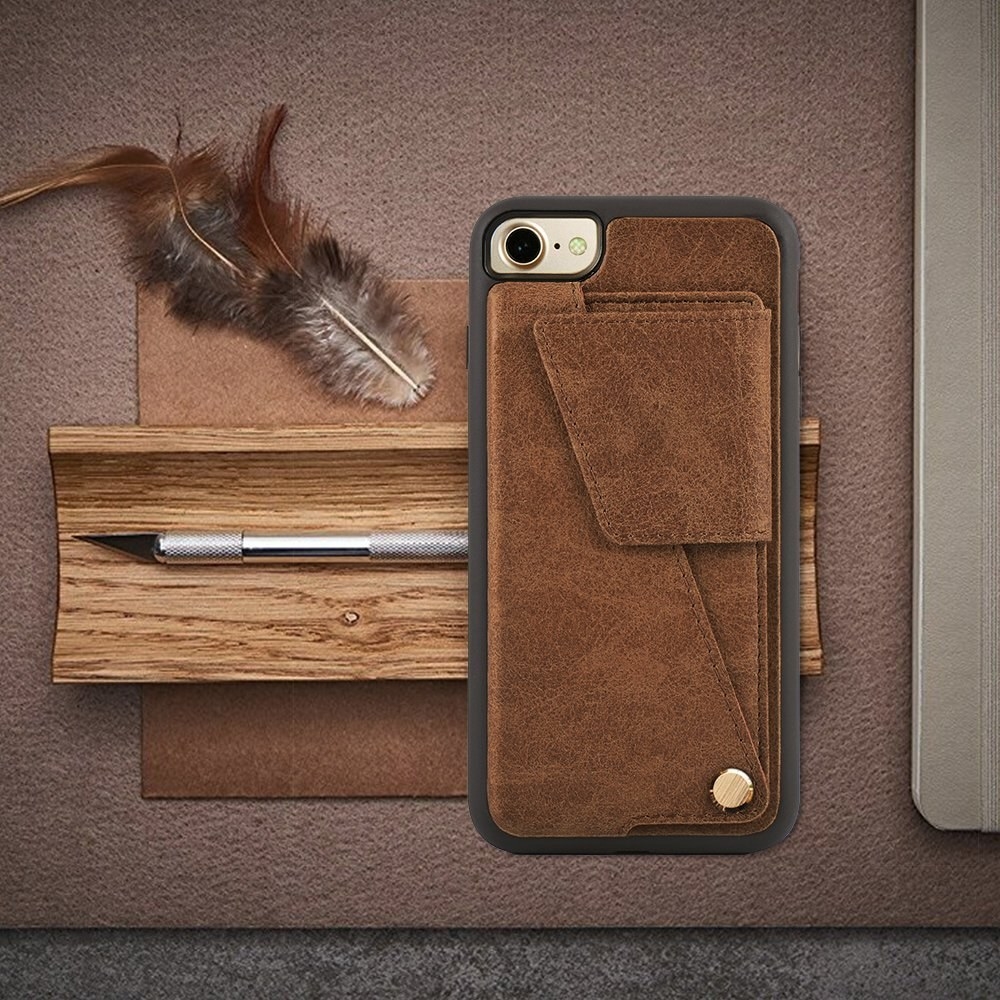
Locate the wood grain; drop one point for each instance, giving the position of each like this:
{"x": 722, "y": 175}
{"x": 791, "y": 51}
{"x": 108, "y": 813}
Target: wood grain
{"x": 128, "y": 621}
{"x": 213, "y": 440}
{"x": 811, "y": 646}
{"x": 123, "y": 620}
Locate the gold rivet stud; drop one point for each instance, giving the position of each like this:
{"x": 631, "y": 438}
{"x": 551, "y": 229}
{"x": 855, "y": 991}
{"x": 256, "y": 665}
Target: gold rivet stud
{"x": 732, "y": 789}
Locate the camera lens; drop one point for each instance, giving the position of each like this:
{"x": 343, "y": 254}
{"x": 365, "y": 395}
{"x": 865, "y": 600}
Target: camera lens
{"x": 523, "y": 246}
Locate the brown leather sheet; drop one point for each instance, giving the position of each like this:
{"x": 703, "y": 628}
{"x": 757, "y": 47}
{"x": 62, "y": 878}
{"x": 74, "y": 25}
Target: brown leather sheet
{"x": 329, "y": 738}
{"x": 287, "y": 739}
{"x": 213, "y": 378}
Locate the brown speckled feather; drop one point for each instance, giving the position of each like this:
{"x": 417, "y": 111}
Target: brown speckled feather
{"x": 326, "y": 303}
{"x": 242, "y": 253}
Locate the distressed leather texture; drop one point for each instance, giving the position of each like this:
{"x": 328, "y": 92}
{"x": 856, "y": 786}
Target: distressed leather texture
{"x": 667, "y": 412}
{"x": 633, "y": 535}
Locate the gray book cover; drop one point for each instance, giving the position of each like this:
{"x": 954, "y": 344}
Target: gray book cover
{"x": 956, "y": 617}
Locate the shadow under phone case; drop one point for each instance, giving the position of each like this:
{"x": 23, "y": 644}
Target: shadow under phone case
{"x": 627, "y": 551}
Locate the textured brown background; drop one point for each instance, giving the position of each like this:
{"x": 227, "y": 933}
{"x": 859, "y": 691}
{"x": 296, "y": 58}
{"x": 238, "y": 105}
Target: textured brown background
{"x": 407, "y": 121}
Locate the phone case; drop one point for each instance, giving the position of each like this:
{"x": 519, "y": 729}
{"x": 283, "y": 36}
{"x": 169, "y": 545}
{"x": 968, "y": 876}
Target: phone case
{"x": 634, "y": 509}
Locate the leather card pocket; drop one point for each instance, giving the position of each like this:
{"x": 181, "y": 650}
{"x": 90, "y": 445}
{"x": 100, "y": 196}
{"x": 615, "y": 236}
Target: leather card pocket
{"x": 667, "y": 406}
{"x": 640, "y": 713}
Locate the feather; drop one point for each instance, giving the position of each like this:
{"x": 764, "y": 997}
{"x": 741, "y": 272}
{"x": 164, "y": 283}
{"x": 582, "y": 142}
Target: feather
{"x": 179, "y": 221}
{"x": 348, "y": 328}
{"x": 241, "y": 252}
{"x": 274, "y": 226}
{"x": 325, "y": 303}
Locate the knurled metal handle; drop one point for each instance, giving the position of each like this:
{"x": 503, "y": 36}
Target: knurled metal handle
{"x": 420, "y": 546}
{"x": 205, "y": 547}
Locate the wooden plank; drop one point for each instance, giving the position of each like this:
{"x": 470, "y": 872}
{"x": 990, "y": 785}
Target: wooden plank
{"x": 174, "y": 440}
{"x": 124, "y": 620}
{"x": 811, "y": 646}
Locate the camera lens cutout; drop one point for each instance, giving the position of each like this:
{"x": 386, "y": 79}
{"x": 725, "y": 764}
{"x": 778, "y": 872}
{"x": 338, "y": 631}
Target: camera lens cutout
{"x": 523, "y": 246}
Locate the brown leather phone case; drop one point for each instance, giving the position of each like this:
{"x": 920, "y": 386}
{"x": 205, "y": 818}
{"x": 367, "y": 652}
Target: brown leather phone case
{"x": 633, "y": 460}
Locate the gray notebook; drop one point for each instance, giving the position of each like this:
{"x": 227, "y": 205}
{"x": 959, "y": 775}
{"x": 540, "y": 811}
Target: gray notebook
{"x": 956, "y": 588}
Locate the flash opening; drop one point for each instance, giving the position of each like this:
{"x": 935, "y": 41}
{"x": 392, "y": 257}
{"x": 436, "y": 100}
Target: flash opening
{"x": 577, "y": 245}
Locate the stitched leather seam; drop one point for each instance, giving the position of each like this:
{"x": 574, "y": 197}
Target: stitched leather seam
{"x": 644, "y": 298}
{"x": 693, "y": 316}
{"x": 685, "y": 819}
{"x": 597, "y": 298}
{"x": 650, "y": 312}
{"x": 721, "y": 296}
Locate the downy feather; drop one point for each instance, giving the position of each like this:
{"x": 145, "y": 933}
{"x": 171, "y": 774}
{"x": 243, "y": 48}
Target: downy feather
{"x": 179, "y": 221}
{"x": 344, "y": 321}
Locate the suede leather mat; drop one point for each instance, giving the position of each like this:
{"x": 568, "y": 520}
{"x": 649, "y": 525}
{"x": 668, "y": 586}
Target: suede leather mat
{"x": 405, "y": 123}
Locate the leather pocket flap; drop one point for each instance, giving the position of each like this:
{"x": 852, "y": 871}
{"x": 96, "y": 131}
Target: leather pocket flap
{"x": 668, "y": 412}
